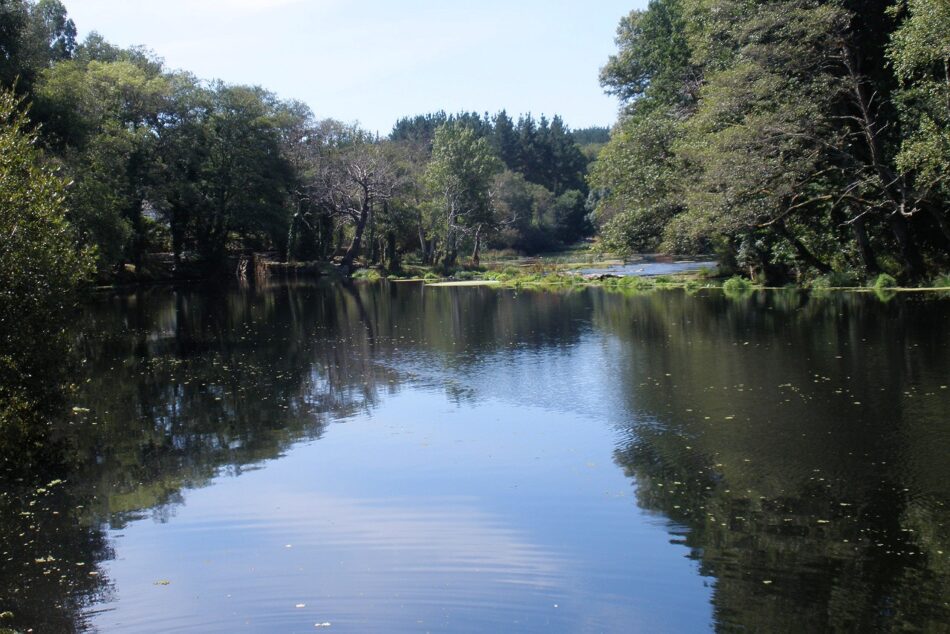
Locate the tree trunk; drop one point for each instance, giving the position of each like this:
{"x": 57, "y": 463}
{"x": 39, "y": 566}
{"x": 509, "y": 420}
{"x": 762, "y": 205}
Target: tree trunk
{"x": 803, "y": 252}
{"x": 451, "y": 249}
{"x": 864, "y": 246}
{"x": 392, "y": 253}
{"x": 177, "y": 240}
{"x": 347, "y": 263}
{"x": 291, "y": 238}
{"x": 423, "y": 245}
{"x": 373, "y": 242}
{"x": 910, "y": 254}
{"x": 451, "y": 257}
{"x": 476, "y": 254}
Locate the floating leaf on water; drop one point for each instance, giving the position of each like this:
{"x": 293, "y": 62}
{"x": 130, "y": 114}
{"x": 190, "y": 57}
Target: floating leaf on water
{"x": 162, "y": 582}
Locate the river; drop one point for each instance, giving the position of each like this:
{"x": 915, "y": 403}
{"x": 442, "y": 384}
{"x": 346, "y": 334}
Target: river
{"x": 392, "y": 457}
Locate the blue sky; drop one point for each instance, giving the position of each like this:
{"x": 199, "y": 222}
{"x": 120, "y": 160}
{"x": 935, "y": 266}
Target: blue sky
{"x": 376, "y": 60}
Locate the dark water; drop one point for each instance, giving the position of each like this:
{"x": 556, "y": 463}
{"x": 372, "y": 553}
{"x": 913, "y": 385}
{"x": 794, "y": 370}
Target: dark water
{"x": 394, "y": 458}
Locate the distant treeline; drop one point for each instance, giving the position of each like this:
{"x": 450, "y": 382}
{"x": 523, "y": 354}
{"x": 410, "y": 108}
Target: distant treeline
{"x": 795, "y": 138}
{"x": 159, "y": 161}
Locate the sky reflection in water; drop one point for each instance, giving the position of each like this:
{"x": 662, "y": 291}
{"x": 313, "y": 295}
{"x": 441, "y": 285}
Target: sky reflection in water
{"x": 469, "y": 459}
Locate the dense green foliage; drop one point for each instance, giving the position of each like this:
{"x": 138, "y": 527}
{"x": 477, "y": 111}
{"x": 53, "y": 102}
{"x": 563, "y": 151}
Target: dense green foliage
{"x": 794, "y": 137}
{"x": 544, "y": 156}
{"x": 459, "y": 178}
{"x": 40, "y": 269}
{"x": 33, "y": 35}
{"x": 173, "y": 176}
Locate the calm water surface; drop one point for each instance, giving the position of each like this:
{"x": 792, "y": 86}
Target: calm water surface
{"x": 406, "y": 459}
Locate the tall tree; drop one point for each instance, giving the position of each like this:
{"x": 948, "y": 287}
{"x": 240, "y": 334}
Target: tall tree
{"x": 776, "y": 130}
{"x": 920, "y": 53}
{"x": 459, "y": 177}
{"x": 354, "y": 177}
{"x": 101, "y": 117}
{"x": 33, "y": 36}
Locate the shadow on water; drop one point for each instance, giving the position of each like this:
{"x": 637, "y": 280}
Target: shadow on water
{"x": 796, "y": 445}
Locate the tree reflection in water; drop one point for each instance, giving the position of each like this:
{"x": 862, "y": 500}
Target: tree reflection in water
{"x": 798, "y": 448}
{"x": 797, "y": 445}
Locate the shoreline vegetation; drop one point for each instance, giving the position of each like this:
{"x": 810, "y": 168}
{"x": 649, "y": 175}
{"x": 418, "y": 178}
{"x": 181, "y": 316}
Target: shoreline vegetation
{"x": 559, "y": 271}
{"x": 574, "y": 268}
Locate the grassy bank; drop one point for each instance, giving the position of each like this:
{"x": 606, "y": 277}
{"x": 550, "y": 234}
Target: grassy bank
{"x": 564, "y": 276}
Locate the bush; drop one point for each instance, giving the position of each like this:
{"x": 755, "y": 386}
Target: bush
{"x": 40, "y": 270}
{"x": 942, "y": 281}
{"x": 884, "y": 281}
{"x": 638, "y": 283}
{"x": 369, "y": 275}
{"x": 737, "y": 285}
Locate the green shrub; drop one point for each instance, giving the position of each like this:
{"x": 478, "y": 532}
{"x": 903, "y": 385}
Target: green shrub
{"x": 942, "y": 281}
{"x": 641, "y": 283}
{"x": 885, "y": 281}
{"x": 369, "y": 275}
{"x": 737, "y": 285}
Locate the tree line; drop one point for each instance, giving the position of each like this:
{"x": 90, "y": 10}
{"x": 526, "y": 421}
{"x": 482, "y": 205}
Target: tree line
{"x": 160, "y": 161}
{"x": 795, "y": 138}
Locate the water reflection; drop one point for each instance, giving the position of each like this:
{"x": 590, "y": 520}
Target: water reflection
{"x": 800, "y": 448}
{"x": 796, "y": 446}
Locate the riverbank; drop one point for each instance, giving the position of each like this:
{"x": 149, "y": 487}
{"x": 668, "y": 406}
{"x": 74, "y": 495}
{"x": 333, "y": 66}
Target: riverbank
{"x": 571, "y": 269}
{"x": 690, "y": 281}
